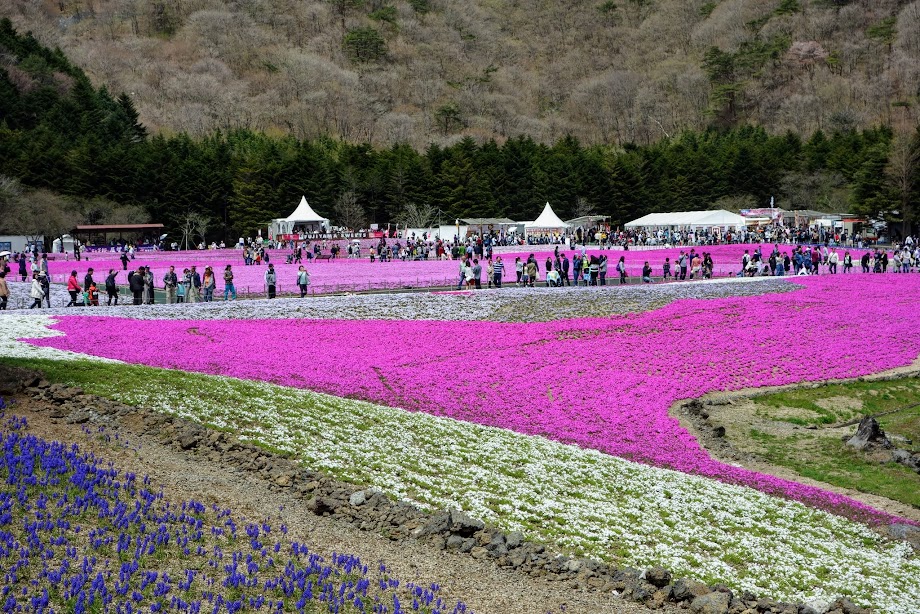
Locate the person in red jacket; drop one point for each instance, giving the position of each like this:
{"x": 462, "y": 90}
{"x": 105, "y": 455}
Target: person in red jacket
{"x": 73, "y": 286}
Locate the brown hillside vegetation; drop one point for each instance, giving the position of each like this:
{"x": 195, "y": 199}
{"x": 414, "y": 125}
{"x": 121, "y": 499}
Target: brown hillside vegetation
{"x": 384, "y": 71}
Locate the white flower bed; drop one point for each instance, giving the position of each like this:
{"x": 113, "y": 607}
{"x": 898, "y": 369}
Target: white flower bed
{"x": 596, "y": 504}
{"x": 32, "y": 325}
{"x": 508, "y": 304}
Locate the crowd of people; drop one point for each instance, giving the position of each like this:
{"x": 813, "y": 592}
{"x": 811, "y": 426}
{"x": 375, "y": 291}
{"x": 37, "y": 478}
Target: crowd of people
{"x": 476, "y": 260}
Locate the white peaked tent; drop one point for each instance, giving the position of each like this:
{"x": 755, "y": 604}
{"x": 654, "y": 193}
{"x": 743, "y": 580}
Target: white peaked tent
{"x": 303, "y": 217}
{"x": 548, "y": 220}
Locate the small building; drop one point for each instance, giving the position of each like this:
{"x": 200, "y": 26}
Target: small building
{"x": 105, "y": 235}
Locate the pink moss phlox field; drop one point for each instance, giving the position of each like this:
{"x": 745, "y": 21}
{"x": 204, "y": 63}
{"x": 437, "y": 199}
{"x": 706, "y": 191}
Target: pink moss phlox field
{"x": 603, "y": 383}
{"x": 346, "y": 273}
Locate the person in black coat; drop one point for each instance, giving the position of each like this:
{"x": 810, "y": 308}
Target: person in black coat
{"x": 111, "y": 288}
{"x": 136, "y": 285}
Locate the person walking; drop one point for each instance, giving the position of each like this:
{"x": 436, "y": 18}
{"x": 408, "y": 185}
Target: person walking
{"x": 22, "y": 267}
{"x": 124, "y": 261}
{"x": 229, "y": 288}
{"x": 602, "y": 270}
{"x": 193, "y": 286}
{"x": 208, "y": 283}
{"x": 136, "y": 285}
{"x": 565, "y": 269}
{"x": 621, "y": 269}
{"x": 499, "y": 272}
{"x": 36, "y": 292}
{"x": 45, "y": 282}
{"x": 88, "y": 279}
{"x": 531, "y": 273}
{"x": 111, "y": 288}
{"x": 73, "y": 287}
{"x": 148, "y": 285}
{"x": 303, "y": 280}
{"x": 171, "y": 285}
{"x": 270, "y": 280}
{"x": 4, "y": 291}
{"x": 477, "y": 274}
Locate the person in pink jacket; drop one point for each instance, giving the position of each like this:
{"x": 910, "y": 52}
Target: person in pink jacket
{"x": 73, "y": 286}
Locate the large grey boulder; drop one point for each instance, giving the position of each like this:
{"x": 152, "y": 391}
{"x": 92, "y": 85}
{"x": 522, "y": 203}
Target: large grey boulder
{"x": 868, "y": 434}
{"x": 712, "y": 603}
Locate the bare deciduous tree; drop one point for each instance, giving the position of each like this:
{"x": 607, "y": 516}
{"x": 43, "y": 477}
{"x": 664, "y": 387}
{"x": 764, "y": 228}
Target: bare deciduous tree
{"x": 348, "y": 211}
{"x": 417, "y": 216}
{"x": 903, "y": 164}
{"x": 193, "y": 224}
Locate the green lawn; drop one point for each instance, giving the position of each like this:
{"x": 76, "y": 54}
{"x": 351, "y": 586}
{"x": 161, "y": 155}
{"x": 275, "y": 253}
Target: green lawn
{"x": 820, "y": 453}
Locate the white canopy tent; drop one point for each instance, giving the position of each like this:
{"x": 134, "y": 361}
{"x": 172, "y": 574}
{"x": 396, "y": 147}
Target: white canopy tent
{"x": 303, "y": 217}
{"x": 548, "y": 220}
{"x": 689, "y": 219}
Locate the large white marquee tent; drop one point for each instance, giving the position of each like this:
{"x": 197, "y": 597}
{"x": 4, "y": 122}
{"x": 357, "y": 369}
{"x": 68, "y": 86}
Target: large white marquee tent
{"x": 548, "y": 220}
{"x": 689, "y": 219}
{"x": 303, "y": 217}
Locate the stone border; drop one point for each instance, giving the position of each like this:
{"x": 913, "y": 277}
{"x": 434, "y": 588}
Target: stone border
{"x": 370, "y": 510}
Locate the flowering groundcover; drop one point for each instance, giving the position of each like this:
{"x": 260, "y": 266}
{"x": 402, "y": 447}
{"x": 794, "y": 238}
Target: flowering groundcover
{"x": 595, "y": 504}
{"x": 604, "y": 384}
{"x": 78, "y": 536}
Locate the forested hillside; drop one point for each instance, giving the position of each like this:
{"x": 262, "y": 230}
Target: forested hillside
{"x": 422, "y": 71}
{"x": 72, "y": 152}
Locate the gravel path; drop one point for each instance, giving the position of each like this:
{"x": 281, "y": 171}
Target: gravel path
{"x": 183, "y": 475}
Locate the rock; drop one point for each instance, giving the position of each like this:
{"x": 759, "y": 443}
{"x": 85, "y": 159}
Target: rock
{"x": 573, "y": 566}
{"x": 639, "y": 590}
{"x": 868, "y": 433}
{"x": 661, "y": 596}
{"x": 658, "y": 577}
{"x": 479, "y": 552}
{"x": 321, "y": 505}
{"x": 357, "y": 498}
{"x": 514, "y": 540}
{"x": 766, "y": 605}
{"x": 78, "y": 417}
{"x": 438, "y": 523}
{"x": 849, "y": 607}
{"x": 461, "y": 524}
{"x": 815, "y": 606}
{"x": 454, "y": 542}
{"x": 907, "y": 459}
{"x": 686, "y": 590}
{"x": 905, "y": 532}
{"x": 188, "y": 441}
{"x": 711, "y": 603}
{"x": 718, "y": 431}
{"x": 284, "y": 480}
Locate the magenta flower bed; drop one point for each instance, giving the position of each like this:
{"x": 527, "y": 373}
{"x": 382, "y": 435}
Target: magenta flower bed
{"x": 346, "y": 274}
{"x": 605, "y": 383}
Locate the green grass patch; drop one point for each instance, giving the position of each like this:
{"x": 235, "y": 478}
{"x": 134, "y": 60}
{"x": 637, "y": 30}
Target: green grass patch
{"x": 820, "y": 454}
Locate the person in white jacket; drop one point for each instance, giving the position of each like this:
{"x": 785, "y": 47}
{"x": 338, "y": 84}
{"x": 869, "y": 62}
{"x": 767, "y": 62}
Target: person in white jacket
{"x": 36, "y": 292}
